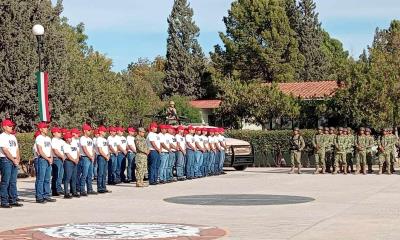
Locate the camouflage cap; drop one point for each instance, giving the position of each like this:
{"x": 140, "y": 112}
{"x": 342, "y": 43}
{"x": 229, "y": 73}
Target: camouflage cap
{"x": 341, "y": 129}
{"x": 326, "y": 128}
{"x": 296, "y": 129}
{"x": 331, "y": 128}
{"x": 362, "y": 129}
{"x": 320, "y": 128}
{"x": 141, "y": 129}
{"x": 368, "y": 130}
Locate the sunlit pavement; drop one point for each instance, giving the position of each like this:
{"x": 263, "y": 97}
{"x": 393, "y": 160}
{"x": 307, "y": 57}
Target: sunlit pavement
{"x": 336, "y": 207}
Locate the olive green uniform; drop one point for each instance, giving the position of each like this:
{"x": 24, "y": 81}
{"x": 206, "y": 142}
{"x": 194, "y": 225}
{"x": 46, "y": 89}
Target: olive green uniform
{"x": 361, "y": 151}
{"x": 341, "y": 143}
{"x": 318, "y": 143}
{"x": 141, "y": 158}
{"x": 370, "y": 156}
{"x": 393, "y": 143}
{"x": 329, "y": 150}
{"x": 384, "y": 152}
{"x": 297, "y": 145}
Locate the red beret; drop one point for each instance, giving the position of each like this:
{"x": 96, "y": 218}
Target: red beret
{"x": 86, "y": 127}
{"x": 56, "y": 130}
{"x": 7, "y": 123}
{"x": 102, "y": 129}
{"x": 67, "y": 136}
{"x": 132, "y": 129}
{"x": 42, "y": 125}
{"x": 112, "y": 129}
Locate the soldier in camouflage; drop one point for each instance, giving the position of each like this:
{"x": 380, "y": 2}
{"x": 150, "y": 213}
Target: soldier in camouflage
{"x": 370, "y": 144}
{"x": 340, "y": 151}
{"x": 141, "y": 157}
{"x": 384, "y": 152}
{"x": 350, "y": 149}
{"x": 329, "y": 139}
{"x": 393, "y": 144}
{"x": 319, "y": 151}
{"x": 297, "y": 145}
{"x": 361, "y": 152}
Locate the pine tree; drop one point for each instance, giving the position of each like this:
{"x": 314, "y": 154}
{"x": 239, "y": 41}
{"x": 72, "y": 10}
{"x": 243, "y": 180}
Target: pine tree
{"x": 310, "y": 38}
{"x": 19, "y": 60}
{"x": 259, "y": 43}
{"x": 185, "y": 59}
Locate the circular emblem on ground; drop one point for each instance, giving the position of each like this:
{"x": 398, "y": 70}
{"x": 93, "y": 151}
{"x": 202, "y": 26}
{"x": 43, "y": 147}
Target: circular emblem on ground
{"x": 123, "y": 231}
{"x": 239, "y": 200}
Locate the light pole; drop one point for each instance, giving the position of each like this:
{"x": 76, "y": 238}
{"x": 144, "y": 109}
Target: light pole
{"x": 38, "y": 31}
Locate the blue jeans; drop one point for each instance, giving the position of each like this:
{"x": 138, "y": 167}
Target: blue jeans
{"x": 190, "y": 160}
{"x": 43, "y": 174}
{"x": 70, "y": 172}
{"x": 180, "y": 165}
{"x": 130, "y": 172}
{"x": 221, "y": 160}
{"x": 162, "y": 172}
{"x": 171, "y": 164}
{"x": 57, "y": 175}
{"x": 206, "y": 160}
{"x": 101, "y": 173}
{"x": 216, "y": 163}
{"x": 95, "y": 166}
{"x": 89, "y": 179}
{"x": 112, "y": 169}
{"x": 198, "y": 163}
{"x": 120, "y": 172}
{"x": 153, "y": 165}
{"x": 8, "y": 184}
{"x": 83, "y": 173}
{"x": 211, "y": 162}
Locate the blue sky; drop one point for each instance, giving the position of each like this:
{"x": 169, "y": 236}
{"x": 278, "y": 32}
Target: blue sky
{"x": 126, "y": 30}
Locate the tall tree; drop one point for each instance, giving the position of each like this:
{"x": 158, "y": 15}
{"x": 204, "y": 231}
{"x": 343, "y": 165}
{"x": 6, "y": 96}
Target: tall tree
{"x": 185, "y": 59}
{"x": 259, "y": 43}
{"x": 19, "y": 61}
{"x": 310, "y": 36}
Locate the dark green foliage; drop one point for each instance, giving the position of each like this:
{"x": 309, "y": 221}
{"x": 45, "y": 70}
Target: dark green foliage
{"x": 310, "y": 37}
{"x": 25, "y": 143}
{"x": 185, "y": 59}
{"x": 259, "y": 43}
{"x": 19, "y": 60}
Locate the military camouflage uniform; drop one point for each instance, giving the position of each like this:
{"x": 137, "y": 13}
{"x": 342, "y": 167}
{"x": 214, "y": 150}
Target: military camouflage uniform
{"x": 384, "y": 153}
{"x": 393, "y": 143}
{"x": 141, "y": 158}
{"x": 370, "y": 156}
{"x": 341, "y": 143}
{"x": 329, "y": 150}
{"x": 350, "y": 148}
{"x": 361, "y": 153}
{"x": 319, "y": 151}
{"x": 297, "y": 145}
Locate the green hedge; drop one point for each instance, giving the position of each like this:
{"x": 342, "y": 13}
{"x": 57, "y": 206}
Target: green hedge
{"x": 25, "y": 142}
{"x": 268, "y": 143}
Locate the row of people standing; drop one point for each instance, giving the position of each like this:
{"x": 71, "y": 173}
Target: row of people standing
{"x": 194, "y": 152}
{"x": 338, "y": 150}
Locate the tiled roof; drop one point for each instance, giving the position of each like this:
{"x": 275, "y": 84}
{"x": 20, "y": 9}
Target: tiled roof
{"x": 206, "y": 104}
{"x": 310, "y": 90}
{"x": 303, "y": 90}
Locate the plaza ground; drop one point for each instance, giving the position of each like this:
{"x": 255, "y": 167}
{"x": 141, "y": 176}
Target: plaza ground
{"x": 345, "y": 207}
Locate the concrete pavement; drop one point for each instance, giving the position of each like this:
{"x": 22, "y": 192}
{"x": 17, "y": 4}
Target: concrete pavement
{"x": 345, "y": 207}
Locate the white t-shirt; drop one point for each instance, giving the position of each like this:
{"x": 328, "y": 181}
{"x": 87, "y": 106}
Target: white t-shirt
{"x": 95, "y": 144}
{"x": 211, "y": 140}
{"x": 205, "y": 141}
{"x": 8, "y": 141}
{"x": 122, "y": 142}
{"x": 103, "y": 145}
{"x": 163, "y": 139}
{"x": 34, "y": 150}
{"x": 199, "y": 140}
{"x": 88, "y": 143}
{"x": 58, "y": 144}
{"x": 189, "y": 139}
{"x": 153, "y": 137}
{"x": 181, "y": 141}
{"x": 113, "y": 142}
{"x": 130, "y": 140}
{"x": 171, "y": 141}
{"x": 71, "y": 150}
{"x": 221, "y": 139}
{"x": 75, "y": 143}
{"x": 45, "y": 143}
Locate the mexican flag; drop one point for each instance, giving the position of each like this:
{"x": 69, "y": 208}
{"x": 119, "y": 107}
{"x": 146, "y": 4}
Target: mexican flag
{"x": 43, "y": 94}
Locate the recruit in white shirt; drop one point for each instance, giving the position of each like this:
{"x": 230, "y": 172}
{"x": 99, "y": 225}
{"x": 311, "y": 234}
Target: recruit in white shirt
{"x": 153, "y": 137}
{"x": 181, "y": 141}
{"x": 88, "y": 143}
{"x": 58, "y": 144}
{"x": 8, "y": 141}
{"x": 71, "y": 150}
{"x": 113, "y": 143}
{"x": 45, "y": 143}
{"x": 103, "y": 145}
{"x": 189, "y": 139}
{"x": 130, "y": 140}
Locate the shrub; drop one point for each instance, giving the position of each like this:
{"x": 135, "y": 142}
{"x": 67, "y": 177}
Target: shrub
{"x": 267, "y": 144}
{"x": 25, "y": 142}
